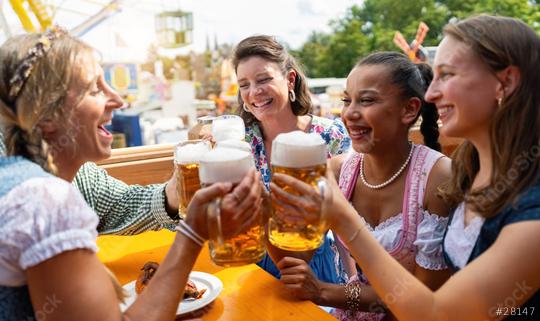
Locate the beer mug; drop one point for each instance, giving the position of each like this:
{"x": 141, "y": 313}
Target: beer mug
{"x": 234, "y": 144}
{"x": 302, "y": 156}
{"x": 231, "y": 165}
{"x": 187, "y": 156}
{"x": 228, "y": 127}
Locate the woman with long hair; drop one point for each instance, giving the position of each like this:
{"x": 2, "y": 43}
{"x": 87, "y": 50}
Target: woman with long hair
{"x": 54, "y": 104}
{"x": 486, "y": 89}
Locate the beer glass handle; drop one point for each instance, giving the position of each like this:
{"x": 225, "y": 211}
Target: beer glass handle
{"x": 214, "y": 220}
{"x": 325, "y": 193}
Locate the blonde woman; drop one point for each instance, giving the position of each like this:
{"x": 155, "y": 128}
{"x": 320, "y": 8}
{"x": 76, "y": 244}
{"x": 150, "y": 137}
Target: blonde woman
{"x": 54, "y": 103}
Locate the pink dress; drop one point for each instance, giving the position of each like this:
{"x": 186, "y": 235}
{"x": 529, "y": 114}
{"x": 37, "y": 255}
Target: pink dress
{"x": 413, "y": 237}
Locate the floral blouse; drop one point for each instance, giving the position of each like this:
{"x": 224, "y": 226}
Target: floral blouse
{"x": 332, "y": 131}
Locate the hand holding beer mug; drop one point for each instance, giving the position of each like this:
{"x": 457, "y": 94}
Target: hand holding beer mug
{"x": 298, "y": 225}
{"x": 227, "y": 246}
{"x": 187, "y": 156}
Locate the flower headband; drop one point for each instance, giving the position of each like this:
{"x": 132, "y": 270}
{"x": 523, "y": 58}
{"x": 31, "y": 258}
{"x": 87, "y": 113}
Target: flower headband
{"x": 24, "y": 70}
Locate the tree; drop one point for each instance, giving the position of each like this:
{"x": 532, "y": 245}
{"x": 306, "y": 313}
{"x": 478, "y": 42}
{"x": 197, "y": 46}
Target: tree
{"x": 312, "y": 53}
{"x": 371, "y": 27}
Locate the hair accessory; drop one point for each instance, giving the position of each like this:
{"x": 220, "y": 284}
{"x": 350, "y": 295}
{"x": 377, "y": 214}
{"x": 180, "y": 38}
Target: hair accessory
{"x": 24, "y": 70}
{"x": 391, "y": 179}
{"x": 352, "y": 295}
{"x": 292, "y": 96}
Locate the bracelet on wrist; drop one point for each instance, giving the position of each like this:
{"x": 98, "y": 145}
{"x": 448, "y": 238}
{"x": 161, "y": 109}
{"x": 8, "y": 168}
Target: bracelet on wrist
{"x": 352, "y": 296}
{"x": 190, "y": 233}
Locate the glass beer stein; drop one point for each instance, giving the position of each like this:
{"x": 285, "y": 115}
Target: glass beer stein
{"x": 227, "y": 127}
{"x": 231, "y": 165}
{"x": 302, "y": 156}
{"x": 187, "y": 156}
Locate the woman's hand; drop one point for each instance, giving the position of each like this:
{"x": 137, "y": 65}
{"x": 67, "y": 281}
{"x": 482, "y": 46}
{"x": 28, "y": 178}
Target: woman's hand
{"x": 298, "y": 278}
{"x": 296, "y": 201}
{"x": 300, "y": 201}
{"x": 238, "y": 205}
{"x": 196, "y": 211}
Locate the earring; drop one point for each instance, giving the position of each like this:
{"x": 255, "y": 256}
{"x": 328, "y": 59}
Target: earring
{"x": 500, "y": 102}
{"x": 245, "y": 108}
{"x": 292, "y": 96}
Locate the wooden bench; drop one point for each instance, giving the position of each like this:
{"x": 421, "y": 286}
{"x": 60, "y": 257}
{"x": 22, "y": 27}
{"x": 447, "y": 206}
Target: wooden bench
{"x": 141, "y": 165}
{"x": 154, "y": 164}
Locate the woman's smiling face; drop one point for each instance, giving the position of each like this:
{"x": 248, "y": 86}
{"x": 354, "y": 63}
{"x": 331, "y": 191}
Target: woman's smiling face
{"x": 90, "y": 114}
{"x": 371, "y": 110}
{"x": 263, "y": 88}
{"x": 463, "y": 89}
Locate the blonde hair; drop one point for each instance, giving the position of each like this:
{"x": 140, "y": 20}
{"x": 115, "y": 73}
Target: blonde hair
{"x": 43, "y": 94}
{"x": 514, "y": 131}
{"x": 43, "y": 97}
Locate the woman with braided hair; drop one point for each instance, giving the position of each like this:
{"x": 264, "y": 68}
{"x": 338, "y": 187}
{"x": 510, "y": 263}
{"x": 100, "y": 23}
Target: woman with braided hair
{"x": 486, "y": 88}
{"x": 54, "y": 103}
{"x": 397, "y": 191}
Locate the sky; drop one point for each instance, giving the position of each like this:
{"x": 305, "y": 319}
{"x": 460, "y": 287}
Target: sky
{"x": 127, "y": 35}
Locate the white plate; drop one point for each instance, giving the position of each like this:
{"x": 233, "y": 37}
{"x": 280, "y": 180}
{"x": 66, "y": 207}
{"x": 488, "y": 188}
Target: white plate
{"x": 202, "y": 280}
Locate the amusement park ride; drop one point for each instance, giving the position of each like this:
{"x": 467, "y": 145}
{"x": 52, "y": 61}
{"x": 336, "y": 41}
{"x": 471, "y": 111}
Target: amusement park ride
{"x": 414, "y": 50}
{"x": 174, "y": 28}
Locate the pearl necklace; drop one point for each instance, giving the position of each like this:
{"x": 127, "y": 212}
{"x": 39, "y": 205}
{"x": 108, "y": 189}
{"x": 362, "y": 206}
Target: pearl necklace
{"x": 391, "y": 179}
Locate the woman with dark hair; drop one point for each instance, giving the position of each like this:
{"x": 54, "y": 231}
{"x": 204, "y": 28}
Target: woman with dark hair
{"x": 487, "y": 90}
{"x": 274, "y": 100}
{"x": 396, "y": 194}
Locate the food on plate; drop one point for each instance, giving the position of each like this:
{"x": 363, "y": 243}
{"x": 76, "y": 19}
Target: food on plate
{"x": 148, "y": 271}
{"x": 191, "y": 291}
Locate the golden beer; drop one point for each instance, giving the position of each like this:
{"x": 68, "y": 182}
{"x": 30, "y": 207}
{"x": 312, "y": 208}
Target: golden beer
{"x": 248, "y": 246}
{"x": 244, "y": 248}
{"x": 302, "y": 156}
{"x": 187, "y": 184}
{"x": 186, "y": 158}
{"x": 295, "y": 235}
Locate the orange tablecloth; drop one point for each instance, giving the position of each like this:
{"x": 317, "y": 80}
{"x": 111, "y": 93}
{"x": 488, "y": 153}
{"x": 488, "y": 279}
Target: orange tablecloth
{"x": 249, "y": 293}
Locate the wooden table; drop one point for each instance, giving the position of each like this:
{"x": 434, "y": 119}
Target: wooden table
{"x": 249, "y": 293}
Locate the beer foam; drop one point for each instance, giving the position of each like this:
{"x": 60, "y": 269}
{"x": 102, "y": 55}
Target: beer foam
{"x": 190, "y": 153}
{"x": 234, "y": 144}
{"x": 297, "y": 149}
{"x": 228, "y": 127}
{"x": 225, "y": 165}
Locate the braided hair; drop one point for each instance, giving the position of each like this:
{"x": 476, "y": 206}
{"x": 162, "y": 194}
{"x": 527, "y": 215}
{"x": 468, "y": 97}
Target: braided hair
{"x": 41, "y": 91}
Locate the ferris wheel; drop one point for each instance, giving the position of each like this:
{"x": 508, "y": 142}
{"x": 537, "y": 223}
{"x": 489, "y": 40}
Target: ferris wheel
{"x": 173, "y": 27}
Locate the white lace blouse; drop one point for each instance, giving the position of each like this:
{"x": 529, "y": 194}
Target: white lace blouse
{"x": 460, "y": 239}
{"x": 39, "y": 219}
{"x": 428, "y": 243}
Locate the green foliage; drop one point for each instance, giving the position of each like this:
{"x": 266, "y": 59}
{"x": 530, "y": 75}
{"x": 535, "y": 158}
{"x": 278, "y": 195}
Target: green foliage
{"x": 371, "y": 27}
